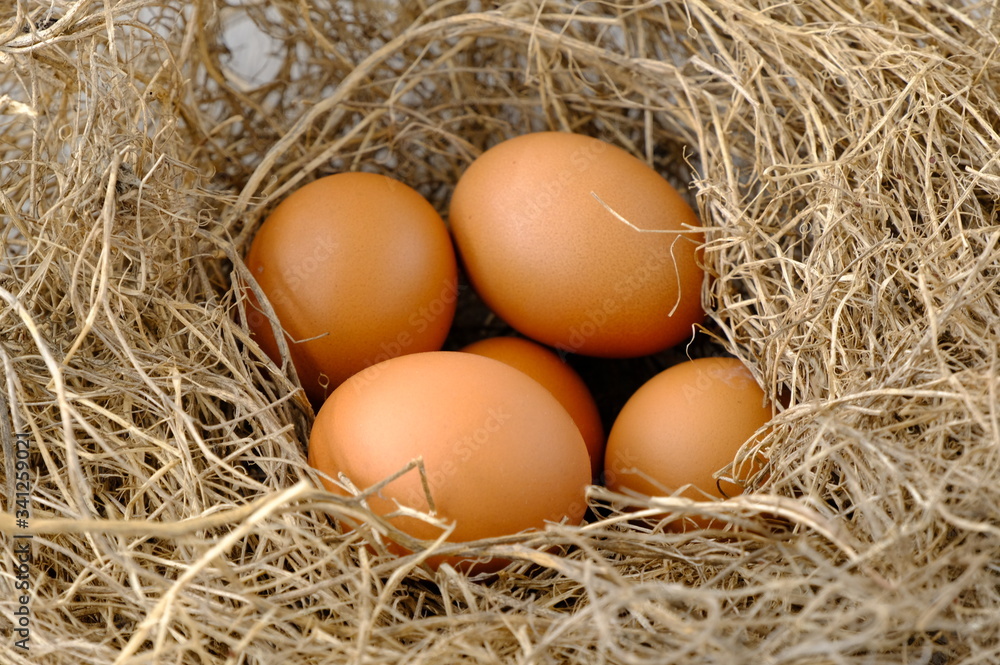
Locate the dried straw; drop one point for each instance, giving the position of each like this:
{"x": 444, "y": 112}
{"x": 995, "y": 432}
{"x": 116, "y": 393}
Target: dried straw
{"x": 844, "y": 159}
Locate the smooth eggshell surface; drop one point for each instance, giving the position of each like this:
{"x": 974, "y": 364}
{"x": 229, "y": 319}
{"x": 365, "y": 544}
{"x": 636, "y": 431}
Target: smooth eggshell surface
{"x": 560, "y": 379}
{"x": 359, "y": 268}
{"x": 540, "y": 224}
{"x": 682, "y": 426}
{"x": 501, "y": 454}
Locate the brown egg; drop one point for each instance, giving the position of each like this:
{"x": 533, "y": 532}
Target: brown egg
{"x": 501, "y": 454}
{"x": 580, "y": 245}
{"x": 682, "y": 426}
{"x": 559, "y": 378}
{"x": 359, "y": 268}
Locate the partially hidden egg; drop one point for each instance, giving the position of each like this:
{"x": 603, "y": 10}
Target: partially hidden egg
{"x": 684, "y": 425}
{"x": 559, "y": 378}
{"x": 359, "y": 268}
{"x": 500, "y": 454}
{"x": 580, "y": 245}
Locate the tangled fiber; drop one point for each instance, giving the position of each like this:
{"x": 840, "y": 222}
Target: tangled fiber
{"x": 844, "y": 158}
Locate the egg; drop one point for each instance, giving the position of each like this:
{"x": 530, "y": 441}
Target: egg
{"x": 359, "y": 268}
{"x": 682, "y": 426}
{"x": 560, "y": 379}
{"x": 580, "y": 245}
{"x": 501, "y": 455}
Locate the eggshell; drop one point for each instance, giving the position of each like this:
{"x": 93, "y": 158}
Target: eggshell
{"x": 560, "y": 379}
{"x": 542, "y": 225}
{"x": 359, "y": 268}
{"x": 501, "y": 454}
{"x": 682, "y": 426}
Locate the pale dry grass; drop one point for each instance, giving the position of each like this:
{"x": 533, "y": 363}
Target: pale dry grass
{"x": 844, "y": 159}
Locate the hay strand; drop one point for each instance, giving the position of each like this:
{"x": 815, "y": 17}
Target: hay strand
{"x": 842, "y": 156}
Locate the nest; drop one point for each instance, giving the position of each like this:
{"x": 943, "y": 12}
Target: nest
{"x": 843, "y": 159}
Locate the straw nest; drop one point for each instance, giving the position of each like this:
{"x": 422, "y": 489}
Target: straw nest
{"x": 844, "y": 160}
